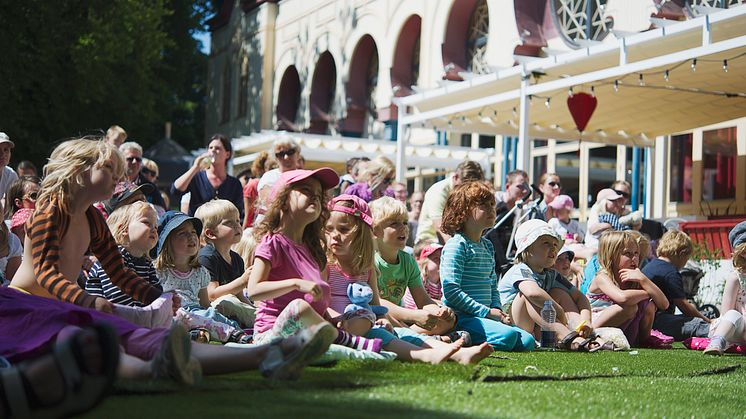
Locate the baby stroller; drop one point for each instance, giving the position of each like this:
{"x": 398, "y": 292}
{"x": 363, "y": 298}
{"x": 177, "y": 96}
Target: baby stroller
{"x": 691, "y": 274}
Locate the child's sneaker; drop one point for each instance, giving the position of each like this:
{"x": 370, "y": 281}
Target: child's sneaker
{"x": 716, "y": 346}
{"x": 663, "y": 338}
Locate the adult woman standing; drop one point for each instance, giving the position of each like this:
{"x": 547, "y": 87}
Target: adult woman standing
{"x": 550, "y": 186}
{"x": 208, "y": 179}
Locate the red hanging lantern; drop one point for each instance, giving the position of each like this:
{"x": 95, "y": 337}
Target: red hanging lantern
{"x": 581, "y": 106}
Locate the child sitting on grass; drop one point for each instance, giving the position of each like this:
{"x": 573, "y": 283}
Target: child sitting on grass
{"x": 467, "y": 270}
{"x": 621, "y": 295}
{"x": 730, "y": 328}
{"x": 179, "y": 270}
{"x": 531, "y": 282}
{"x": 351, "y": 252}
{"x": 398, "y": 272}
{"x": 674, "y": 249}
{"x": 228, "y": 276}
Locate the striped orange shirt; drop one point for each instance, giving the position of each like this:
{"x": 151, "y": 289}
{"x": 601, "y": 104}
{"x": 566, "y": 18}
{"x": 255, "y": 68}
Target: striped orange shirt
{"x": 45, "y": 230}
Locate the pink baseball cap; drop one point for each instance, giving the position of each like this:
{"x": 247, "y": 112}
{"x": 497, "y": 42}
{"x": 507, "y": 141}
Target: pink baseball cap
{"x": 358, "y": 209}
{"x": 430, "y": 249}
{"x": 562, "y": 201}
{"x": 325, "y": 175}
{"x": 20, "y": 217}
{"x": 607, "y": 193}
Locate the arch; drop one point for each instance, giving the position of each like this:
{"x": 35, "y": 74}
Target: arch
{"x": 405, "y": 67}
{"x": 323, "y": 89}
{"x": 288, "y": 99}
{"x": 454, "y": 44}
{"x": 362, "y": 80}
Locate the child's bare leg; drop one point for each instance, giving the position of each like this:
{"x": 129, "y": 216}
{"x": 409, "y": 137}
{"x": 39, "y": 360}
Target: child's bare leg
{"x": 566, "y": 302}
{"x": 408, "y": 352}
{"x": 134, "y": 368}
{"x": 523, "y": 311}
{"x": 646, "y": 323}
{"x": 464, "y": 356}
{"x": 441, "y": 328}
{"x": 615, "y": 315}
{"x": 217, "y": 359}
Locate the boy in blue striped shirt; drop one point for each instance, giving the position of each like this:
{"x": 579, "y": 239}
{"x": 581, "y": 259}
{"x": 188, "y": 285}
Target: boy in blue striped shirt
{"x": 467, "y": 270}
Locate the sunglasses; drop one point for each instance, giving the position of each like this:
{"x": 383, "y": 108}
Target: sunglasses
{"x": 555, "y": 184}
{"x": 134, "y": 159}
{"x": 31, "y": 196}
{"x": 147, "y": 171}
{"x": 388, "y": 180}
{"x": 283, "y": 154}
{"x": 624, "y": 194}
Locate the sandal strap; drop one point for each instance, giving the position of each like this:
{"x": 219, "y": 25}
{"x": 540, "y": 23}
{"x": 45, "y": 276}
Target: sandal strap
{"x": 68, "y": 363}
{"x": 273, "y": 358}
{"x": 567, "y": 340}
{"x": 15, "y": 392}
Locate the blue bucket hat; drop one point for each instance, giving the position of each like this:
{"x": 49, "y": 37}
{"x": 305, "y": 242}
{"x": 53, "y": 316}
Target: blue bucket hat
{"x": 169, "y": 222}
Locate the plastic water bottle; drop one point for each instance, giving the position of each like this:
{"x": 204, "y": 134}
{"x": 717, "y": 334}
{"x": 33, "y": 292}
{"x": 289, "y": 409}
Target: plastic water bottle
{"x": 549, "y": 315}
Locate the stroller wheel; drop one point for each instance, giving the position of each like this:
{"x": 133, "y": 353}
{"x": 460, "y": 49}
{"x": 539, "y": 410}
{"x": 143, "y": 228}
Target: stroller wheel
{"x": 709, "y": 311}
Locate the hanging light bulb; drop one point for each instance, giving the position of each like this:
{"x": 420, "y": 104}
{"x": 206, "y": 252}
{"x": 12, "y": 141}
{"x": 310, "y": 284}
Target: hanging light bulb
{"x": 530, "y": 98}
{"x": 616, "y": 85}
{"x": 569, "y": 92}
{"x": 593, "y": 91}
{"x": 725, "y": 65}
{"x": 694, "y": 65}
{"x": 515, "y": 112}
{"x": 450, "y": 125}
{"x": 665, "y": 76}
{"x": 642, "y": 82}
{"x": 547, "y": 102}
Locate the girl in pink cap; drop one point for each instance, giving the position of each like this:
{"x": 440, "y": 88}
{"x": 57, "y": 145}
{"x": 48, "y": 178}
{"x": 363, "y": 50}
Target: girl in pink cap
{"x": 287, "y": 278}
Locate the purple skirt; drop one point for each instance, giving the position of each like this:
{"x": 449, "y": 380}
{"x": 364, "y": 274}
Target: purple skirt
{"x": 29, "y": 325}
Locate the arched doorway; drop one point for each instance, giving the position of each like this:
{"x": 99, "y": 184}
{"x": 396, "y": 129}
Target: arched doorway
{"x": 322, "y": 93}
{"x": 288, "y": 100}
{"x": 405, "y": 69}
{"x": 361, "y": 84}
{"x": 465, "y": 42}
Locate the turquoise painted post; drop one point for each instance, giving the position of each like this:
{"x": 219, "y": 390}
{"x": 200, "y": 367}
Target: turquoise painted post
{"x": 506, "y": 157}
{"x": 635, "y": 178}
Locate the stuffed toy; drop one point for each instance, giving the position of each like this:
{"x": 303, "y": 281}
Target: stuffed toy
{"x": 360, "y": 295}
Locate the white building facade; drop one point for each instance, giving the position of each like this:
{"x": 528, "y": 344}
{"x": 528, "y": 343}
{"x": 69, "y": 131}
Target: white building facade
{"x": 338, "y": 68}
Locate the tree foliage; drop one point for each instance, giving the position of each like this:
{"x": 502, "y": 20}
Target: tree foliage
{"x": 73, "y": 67}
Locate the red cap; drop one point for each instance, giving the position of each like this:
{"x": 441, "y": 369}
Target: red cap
{"x": 430, "y": 249}
{"x": 359, "y": 207}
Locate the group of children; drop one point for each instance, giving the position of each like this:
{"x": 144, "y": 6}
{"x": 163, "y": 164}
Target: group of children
{"x": 316, "y": 271}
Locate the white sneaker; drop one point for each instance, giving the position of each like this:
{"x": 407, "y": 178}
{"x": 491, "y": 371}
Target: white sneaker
{"x": 716, "y": 346}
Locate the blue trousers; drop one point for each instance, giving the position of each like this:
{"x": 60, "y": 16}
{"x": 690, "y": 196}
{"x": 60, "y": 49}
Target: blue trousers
{"x": 499, "y": 335}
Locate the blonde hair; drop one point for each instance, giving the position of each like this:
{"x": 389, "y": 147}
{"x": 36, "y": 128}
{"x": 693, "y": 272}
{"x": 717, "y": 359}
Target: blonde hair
{"x": 377, "y": 170}
{"x": 212, "y": 213}
{"x": 120, "y": 219}
{"x": 313, "y": 234}
{"x": 245, "y": 248}
{"x": 386, "y": 209}
{"x": 165, "y": 259}
{"x": 151, "y": 165}
{"x": 610, "y": 247}
{"x": 131, "y": 145}
{"x": 737, "y": 254}
{"x": 115, "y": 131}
{"x": 674, "y": 243}
{"x": 362, "y": 244}
{"x": 63, "y": 174}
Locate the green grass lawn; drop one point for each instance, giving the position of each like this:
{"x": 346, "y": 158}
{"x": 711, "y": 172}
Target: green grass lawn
{"x": 652, "y": 383}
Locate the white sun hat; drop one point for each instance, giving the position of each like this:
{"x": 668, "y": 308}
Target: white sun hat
{"x": 528, "y": 232}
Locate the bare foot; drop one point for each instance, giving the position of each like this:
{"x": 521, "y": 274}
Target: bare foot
{"x": 472, "y": 354}
{"x": 438, "y": 354}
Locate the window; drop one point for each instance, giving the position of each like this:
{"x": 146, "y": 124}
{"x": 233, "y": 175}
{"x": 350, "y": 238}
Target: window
{"x": 719, "y": 164}
{"x": 243, "y": 88}
{"x": 581, "y": 20}
{"x": 681, "y": 168}
{"x": 225, "y": 110}
{"x": 568, "y": 169}
{"x": 486, "y": 141}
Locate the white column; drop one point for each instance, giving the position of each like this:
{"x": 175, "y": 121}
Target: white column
{"x": 524, "y": 142}
{"x": 659, "y": 196}
{"x": 401, "y": 145}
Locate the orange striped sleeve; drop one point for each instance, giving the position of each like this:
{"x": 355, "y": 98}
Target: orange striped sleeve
{"x": 45, "y": 230}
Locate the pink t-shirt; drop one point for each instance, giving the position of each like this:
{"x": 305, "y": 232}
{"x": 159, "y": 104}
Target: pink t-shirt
{"x": 288, "y": 260}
